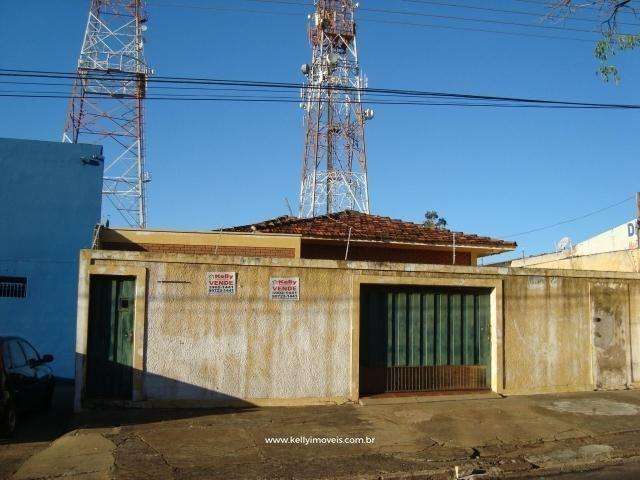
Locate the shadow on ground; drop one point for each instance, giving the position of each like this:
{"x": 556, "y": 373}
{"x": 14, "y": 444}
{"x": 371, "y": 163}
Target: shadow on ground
{"x": 46, "y": 426}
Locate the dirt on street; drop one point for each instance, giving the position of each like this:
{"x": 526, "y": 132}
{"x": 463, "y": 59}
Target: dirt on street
{"x": 536, "y": 436}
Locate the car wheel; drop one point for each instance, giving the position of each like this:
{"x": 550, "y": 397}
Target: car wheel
{"x": 8, "y": 421}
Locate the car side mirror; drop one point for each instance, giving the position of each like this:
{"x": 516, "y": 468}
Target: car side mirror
{"x": 48, "y": 358}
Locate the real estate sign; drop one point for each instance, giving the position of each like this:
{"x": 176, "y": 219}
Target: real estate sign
{"x": 284, "y": 288}
{"x": 221, "y": 283}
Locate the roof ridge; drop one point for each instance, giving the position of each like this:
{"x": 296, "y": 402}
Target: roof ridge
{"x": 369, "y": 226}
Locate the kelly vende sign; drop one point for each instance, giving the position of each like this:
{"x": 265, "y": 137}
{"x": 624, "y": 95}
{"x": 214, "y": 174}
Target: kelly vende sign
{"x": 221, "y": 283}
{"x": 284, "y": 288}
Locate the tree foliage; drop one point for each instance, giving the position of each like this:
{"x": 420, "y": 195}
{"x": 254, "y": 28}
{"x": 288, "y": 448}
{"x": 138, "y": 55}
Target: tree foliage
{"x": 433, "y": 220}
{"x": 614, "y": 38}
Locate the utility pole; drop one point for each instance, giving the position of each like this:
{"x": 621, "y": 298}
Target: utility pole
{"x": 334, "y": 167}
{"x": 637, "y": 222}
{"x": 107, "y": 102}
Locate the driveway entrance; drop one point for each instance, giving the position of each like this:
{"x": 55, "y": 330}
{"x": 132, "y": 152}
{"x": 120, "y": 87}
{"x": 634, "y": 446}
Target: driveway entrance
{"x": 424, "y": 339}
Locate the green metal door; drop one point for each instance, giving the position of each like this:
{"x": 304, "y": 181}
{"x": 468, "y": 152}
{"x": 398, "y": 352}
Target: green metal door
{"x": 110, "y": 339}
{"x": 424, "y": 339}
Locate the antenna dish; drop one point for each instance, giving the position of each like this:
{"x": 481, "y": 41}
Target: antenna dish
{"x": 564, "y": 244}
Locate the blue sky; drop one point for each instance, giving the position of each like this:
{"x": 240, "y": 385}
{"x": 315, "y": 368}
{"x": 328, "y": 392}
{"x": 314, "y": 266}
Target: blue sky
{"x": 488, "y": 171}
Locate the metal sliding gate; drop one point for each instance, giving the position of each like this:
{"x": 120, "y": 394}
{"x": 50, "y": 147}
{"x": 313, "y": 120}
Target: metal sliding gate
{"x": 416, "y": 339}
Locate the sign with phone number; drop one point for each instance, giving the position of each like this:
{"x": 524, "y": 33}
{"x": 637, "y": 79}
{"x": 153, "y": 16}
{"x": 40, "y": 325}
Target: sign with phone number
{"x": 284, "y": 288}
{"x": 221, "y": 283}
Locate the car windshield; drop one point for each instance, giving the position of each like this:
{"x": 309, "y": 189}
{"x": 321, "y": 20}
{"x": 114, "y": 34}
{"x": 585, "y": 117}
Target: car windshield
{"x": 6, "y": 356}
{"x": 16, "y": 355}
{"x": 29, "y": 351}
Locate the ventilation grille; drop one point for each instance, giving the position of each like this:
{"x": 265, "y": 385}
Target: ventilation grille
{"x": 13, "y": 287}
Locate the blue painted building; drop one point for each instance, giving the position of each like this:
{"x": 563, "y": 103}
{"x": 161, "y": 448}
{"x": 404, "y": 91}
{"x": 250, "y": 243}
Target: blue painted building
{"x": 50, "y": 198}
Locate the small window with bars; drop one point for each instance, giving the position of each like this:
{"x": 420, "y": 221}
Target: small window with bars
{"x": 13, "y": 287}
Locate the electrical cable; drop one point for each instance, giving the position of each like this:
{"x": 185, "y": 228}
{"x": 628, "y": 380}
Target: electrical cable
{"x": 379, "y": 10}
{"x": 58, "y": 95}
{"x": 515, "y": 12}
{"x": 574, "y": 219}
{"x": 483, "y": 30}
{"x": 285, "y": 85}
{"x": 413, "y": 24}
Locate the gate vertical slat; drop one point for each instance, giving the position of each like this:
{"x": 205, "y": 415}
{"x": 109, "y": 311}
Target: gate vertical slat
{"x": 469, "y": 331}
{"x": 455, "y": 332}
{"x": 429, "y": 318}
{"x": 434, "y": 339}
{"x": 413, "y": 329}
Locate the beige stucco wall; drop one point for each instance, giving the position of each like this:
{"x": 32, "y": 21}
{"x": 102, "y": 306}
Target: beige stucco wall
{"x": 249, "y": 348}
{"x": 619, "y": 261}
{"x": 547, "y": 334}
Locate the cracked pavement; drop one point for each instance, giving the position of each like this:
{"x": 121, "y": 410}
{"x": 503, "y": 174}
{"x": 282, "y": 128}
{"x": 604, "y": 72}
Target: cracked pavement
{"x": 503, "y": 437}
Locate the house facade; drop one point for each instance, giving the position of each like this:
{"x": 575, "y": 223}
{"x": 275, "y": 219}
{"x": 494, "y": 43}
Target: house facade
{"x": 196, "y": 326}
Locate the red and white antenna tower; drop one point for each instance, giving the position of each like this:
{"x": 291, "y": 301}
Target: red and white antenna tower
{"x": 334, "y": 168}
{"x": 106, "y": 104}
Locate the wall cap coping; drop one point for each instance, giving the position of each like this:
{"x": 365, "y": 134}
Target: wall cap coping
{"x": 129, "y": 256}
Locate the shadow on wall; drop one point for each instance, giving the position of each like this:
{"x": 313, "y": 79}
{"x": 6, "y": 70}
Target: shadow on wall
{"x": 113, "y": 384}
{"x": 102, "y": 412}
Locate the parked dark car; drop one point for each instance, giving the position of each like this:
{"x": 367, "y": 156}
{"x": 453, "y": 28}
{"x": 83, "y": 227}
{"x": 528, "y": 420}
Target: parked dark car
{"x": 26, "y": 381}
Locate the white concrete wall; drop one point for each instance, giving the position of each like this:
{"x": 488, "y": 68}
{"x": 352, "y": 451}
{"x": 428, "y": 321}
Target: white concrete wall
{"x": 622, "y": 237}
{"x": 614, "y": 250}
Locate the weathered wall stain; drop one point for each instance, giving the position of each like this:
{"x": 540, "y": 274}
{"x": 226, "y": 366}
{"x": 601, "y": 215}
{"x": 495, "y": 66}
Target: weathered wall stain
{"x": 610, "y": 317}
{"x": 546, "y": 333}
{"x": 247, "y": 346}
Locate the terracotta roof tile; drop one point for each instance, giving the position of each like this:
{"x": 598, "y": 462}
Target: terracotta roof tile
{"x": 369, "y": 227}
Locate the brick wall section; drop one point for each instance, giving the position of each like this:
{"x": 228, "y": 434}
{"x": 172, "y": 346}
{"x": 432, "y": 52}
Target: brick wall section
{"x": 239, "y": 251}
{"x": 381, "y": 254}
{"x": 316, "y": 251}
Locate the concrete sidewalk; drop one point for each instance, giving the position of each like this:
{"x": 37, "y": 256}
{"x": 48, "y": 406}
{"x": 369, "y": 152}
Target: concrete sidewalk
{"x": 504, "y": 437}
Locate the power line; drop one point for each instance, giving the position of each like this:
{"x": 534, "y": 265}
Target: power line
{"x": 553, "y": 5}
{"x": 570, "y": 220}
{"x": 386, "y": 11}
{"x": 365, "y": 94}
{"x": 418, "y": 14}
{"x": 484, "y": 30}
{"x": 298, "y": 86}
{"x": 266, "y": 99}
{"x": 539, "y": 15}
{"x": 223, "y": 9}
{"x": 497, "y": 22}
{"x": 281, "y": 2}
